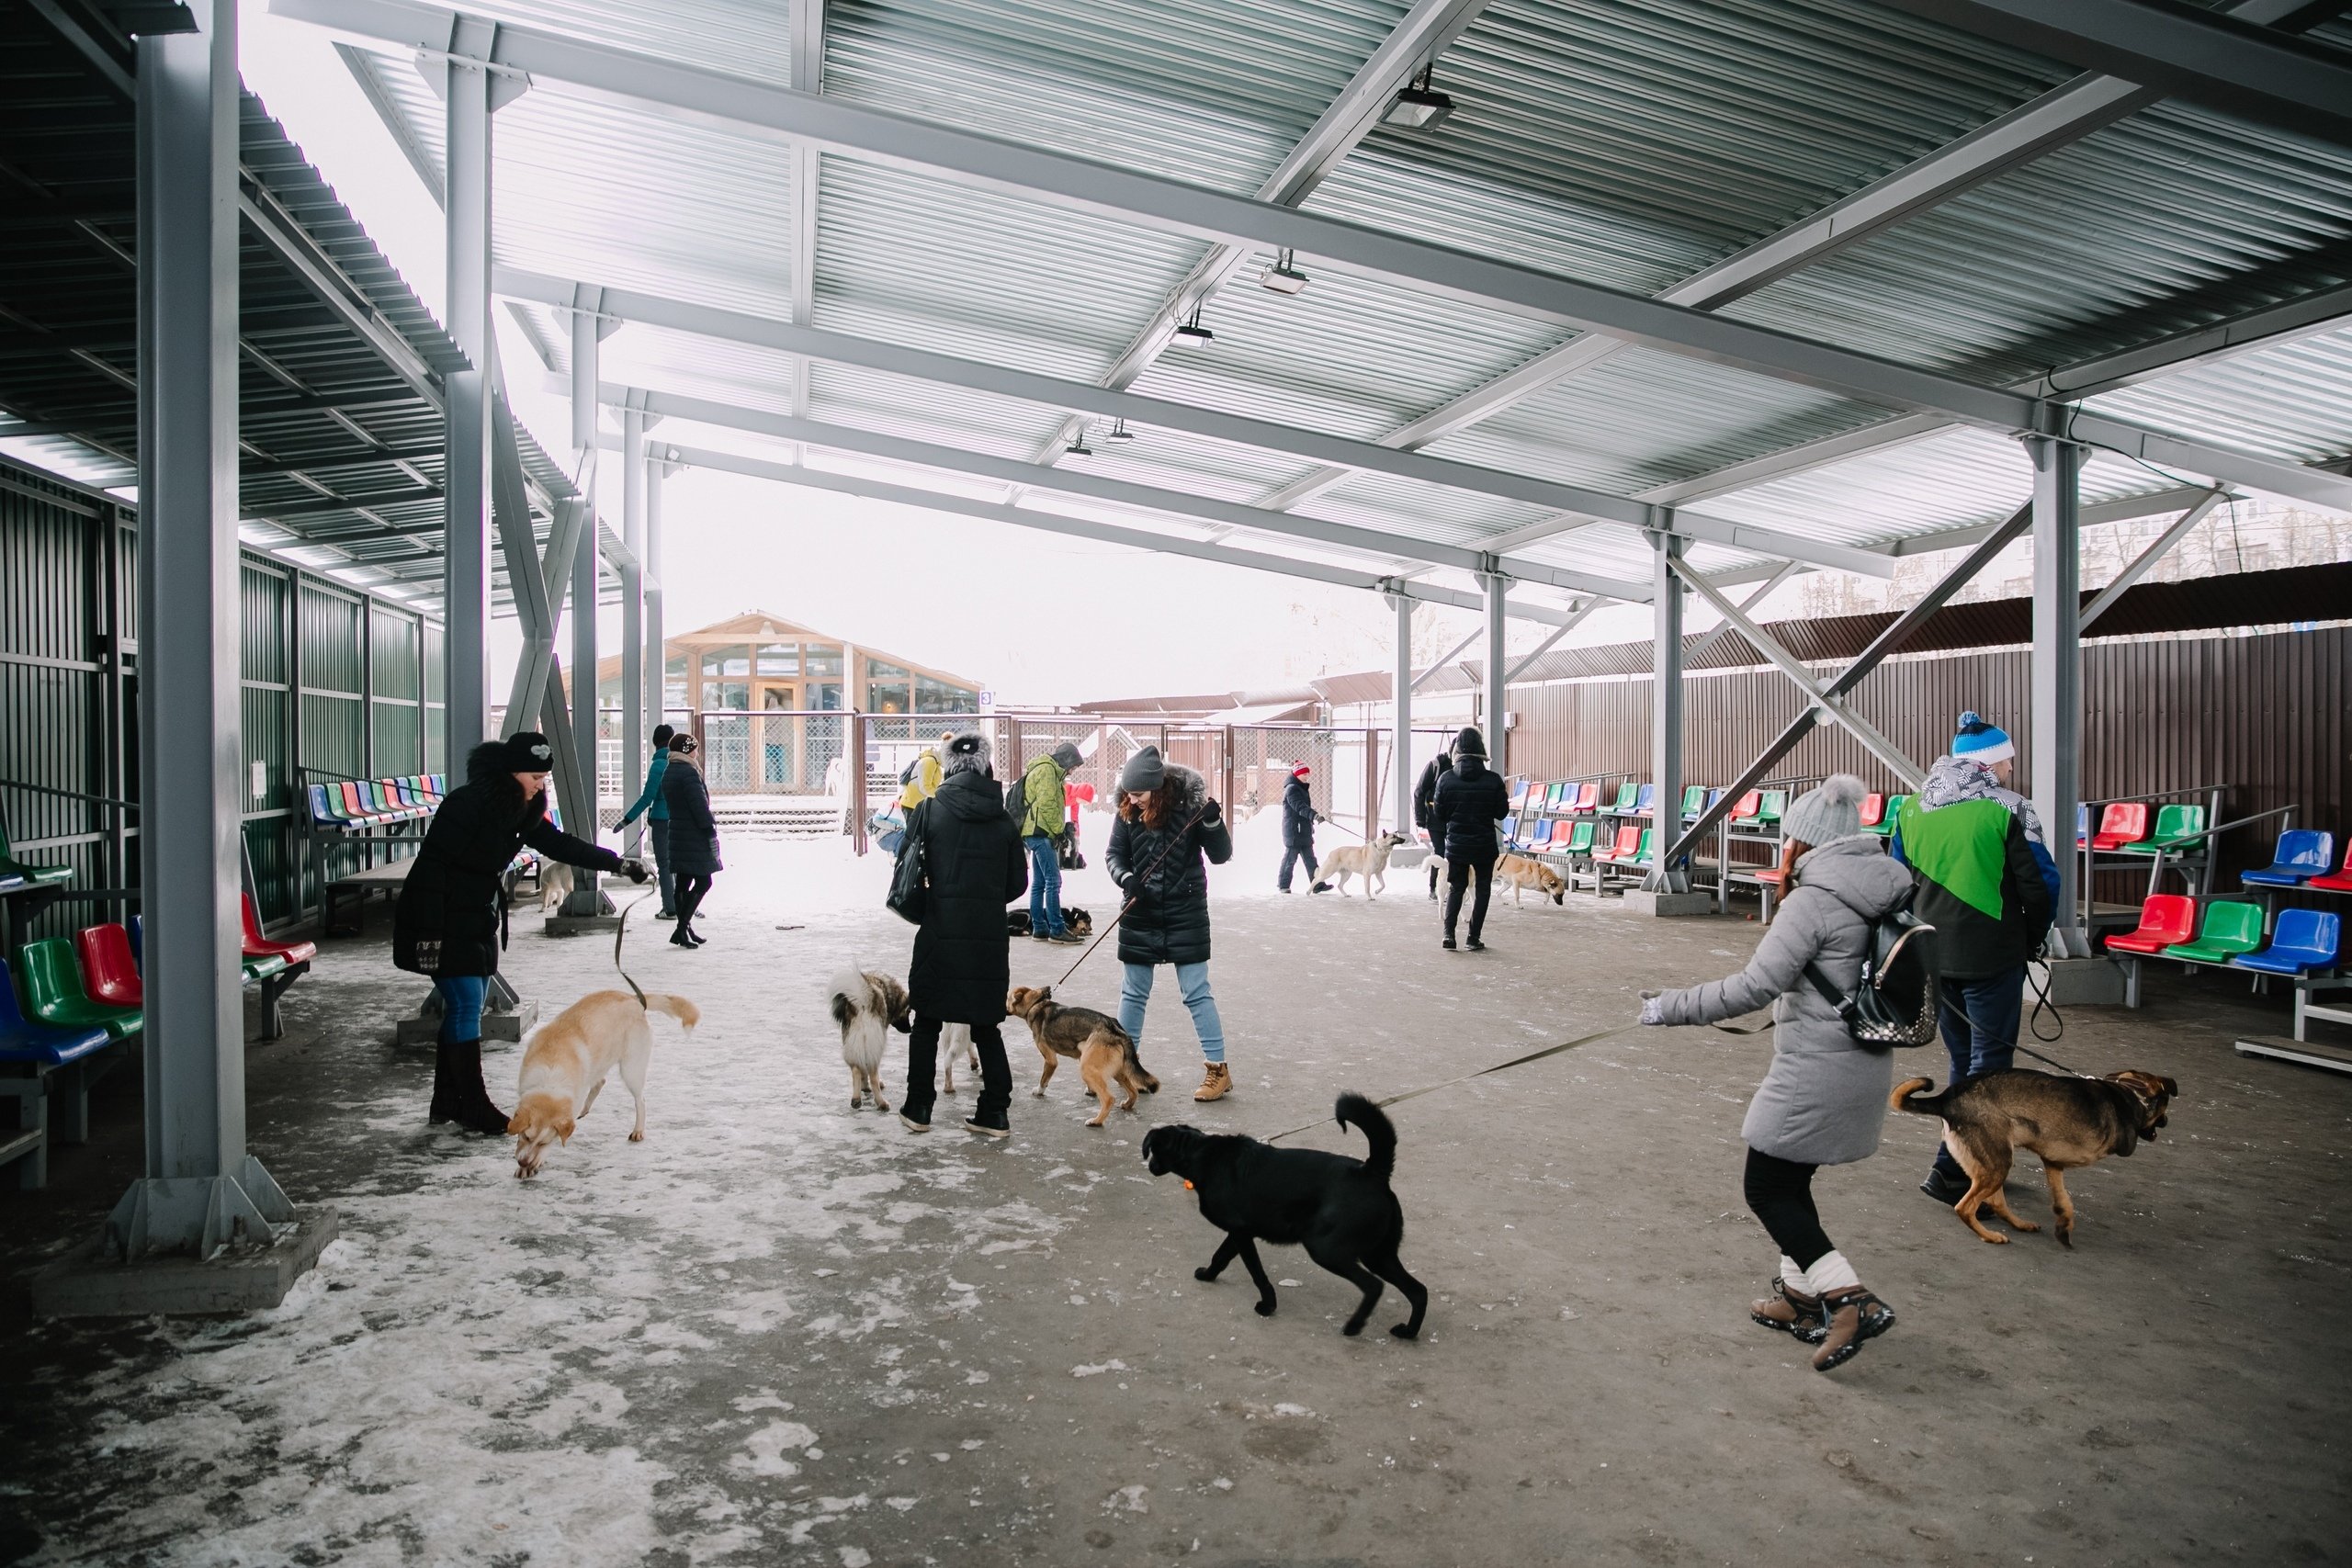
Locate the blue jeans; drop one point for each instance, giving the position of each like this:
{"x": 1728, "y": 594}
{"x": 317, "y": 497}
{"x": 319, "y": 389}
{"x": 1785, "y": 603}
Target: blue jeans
{"x": 461, "y": 1000}
{"x": 1193, "y": 980}
{"x": 1045, "y": 886}
{"x": 1979, "y": 1019}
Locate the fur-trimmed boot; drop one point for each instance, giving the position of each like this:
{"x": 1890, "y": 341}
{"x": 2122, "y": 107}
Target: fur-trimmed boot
{"x": 458, "y": 1092}
{"x": 1215, "y": 1084}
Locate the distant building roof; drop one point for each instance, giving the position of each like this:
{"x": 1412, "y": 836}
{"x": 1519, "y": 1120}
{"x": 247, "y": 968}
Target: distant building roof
{"x": 762, "y": 626}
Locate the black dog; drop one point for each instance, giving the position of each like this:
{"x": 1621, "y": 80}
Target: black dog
{"x": 1340, "y": 1209}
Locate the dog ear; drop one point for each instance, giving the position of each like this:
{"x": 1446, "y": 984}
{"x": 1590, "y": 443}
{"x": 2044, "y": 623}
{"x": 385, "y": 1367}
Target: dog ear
{"x": 515, "y": 1123}
{"x": 565, "y": 1128}
{"x": 2172, "y": 1086}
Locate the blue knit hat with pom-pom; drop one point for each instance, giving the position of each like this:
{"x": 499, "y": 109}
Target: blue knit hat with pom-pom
{"x": 1979, "y": 742}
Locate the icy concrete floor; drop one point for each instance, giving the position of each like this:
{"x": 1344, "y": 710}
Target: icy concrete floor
{"x": 778, "y": 1332}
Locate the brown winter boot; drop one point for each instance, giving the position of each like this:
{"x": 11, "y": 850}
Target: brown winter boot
{"x": 1792, "y": 1312}
{"x": 1217, "y": 1085}
{"x": 1854, "y": 1316}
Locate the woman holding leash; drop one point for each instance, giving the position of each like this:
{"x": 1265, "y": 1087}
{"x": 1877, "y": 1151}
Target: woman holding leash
{"x": 1824, "y": 1099}
{"x": 1166, "y": 825}
{"x": 693, "y": 836}
{"x": 974, "y": 866}
{"x": 449, "y": 923}
{"x": 656, "y": 812}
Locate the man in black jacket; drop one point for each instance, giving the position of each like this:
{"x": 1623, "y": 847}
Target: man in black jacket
{"x": 963, "y": 964}
{"x": 1424, "y": 802}
{"x": 1299, "y": 818}
{"x": 1470, "y": 801}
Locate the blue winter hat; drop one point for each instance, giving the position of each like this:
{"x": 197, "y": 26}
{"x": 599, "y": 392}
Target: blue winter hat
{"x": 1979, "y": 741}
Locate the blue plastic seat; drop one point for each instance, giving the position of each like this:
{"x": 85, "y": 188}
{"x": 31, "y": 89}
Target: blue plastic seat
{"x": 2303, "y": 854}
{"x": 23, "y": 1041}
{"x": 2304, "y": 940}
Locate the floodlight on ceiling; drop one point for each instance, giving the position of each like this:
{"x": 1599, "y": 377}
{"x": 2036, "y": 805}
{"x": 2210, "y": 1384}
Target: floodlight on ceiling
{"x": 1190, "y": 334}
{"x": 1119, "y": 431}
{"x": 1078, "y": 447}
{"x": 1283, "y": 276}
{"x": 1418, "y": 107}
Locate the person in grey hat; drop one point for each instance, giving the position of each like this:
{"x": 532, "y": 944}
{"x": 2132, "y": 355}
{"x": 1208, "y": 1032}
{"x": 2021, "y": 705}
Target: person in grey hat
{"x": 1044, "y": 823}
{"x": 1168, "y": 834}
{"x": 1824, "y": 1099}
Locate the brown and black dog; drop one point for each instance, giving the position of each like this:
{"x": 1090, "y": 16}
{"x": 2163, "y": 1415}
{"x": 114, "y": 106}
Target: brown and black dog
{"x": 2069, "y": 1121}
{"x": 1105, "y": 1053}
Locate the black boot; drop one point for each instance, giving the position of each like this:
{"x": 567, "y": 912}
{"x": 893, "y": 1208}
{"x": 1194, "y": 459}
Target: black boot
{"x": 466, "y": 1101}
{"x": 684, "y": 936}
{"x": 445, "y": 1099}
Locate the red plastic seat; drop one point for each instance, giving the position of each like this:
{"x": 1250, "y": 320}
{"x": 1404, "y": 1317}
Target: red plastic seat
{"x": 109, "y": 973}
{"x": 1628, "y": 846}
{"x": 2164, "y": 921}
{"x": 1874, "y": 810}
{"x": 260, "y": 946}
{"x": 2336, "y": 881}
{"x": 1748, "y": 806}
{"x": 2123, "y": 822}
{"x": 1771, "y": 876}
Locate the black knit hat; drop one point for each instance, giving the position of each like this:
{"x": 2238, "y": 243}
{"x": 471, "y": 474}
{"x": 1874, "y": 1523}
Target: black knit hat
{"x": 1470, "y": 743}
{"x": 661, "y": 733}
{"x": 525, "y": 751}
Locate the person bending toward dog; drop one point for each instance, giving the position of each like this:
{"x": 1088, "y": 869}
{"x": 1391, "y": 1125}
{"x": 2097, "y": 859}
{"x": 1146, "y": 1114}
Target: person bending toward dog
{"x": 1468, "y": 803}
{"x": 694, "y": 837}
{"x": 656, "y": 812}
{"x": 1299, "y": 818}
{"x": 963, "y": 961}
{"x": 1167, "y": 835}
{"x": 1424, "y": 804}
{"x": 1824, "y": 1099}
{"x": 449, "y": 922}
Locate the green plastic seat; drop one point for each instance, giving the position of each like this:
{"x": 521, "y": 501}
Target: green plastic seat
{"x": 1694, "y": 800}
{"x": 2229, "y": 928}
{"x": 32, "y": 875}
{"x": 262, "y": 967}
{"x": 1628, "y": 794}
{"x": 2177, "y": 827}
{"x": 1884, "y": 826}
{"x": 53, "y": 992}
{"x": 1579, "y": 840}
{"x": 1770, "y": 803}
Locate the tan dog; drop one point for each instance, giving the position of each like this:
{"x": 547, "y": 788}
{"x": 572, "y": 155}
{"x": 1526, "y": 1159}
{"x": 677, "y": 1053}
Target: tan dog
{"x": 2069, "y": 1121}
{"x": 567, "y": 1059}
{"x": 1516, "y": 871}
{"x": 1105, "y": 1053}
{"x": 1367, "y": 860}
{"x": 867, "y": 1006}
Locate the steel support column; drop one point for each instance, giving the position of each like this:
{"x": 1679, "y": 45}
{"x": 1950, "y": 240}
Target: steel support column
{"x": 1401, "y": 722}
{"x": 1665, "y": 711}
{"x": 1496, "y": 675}
{"x": 202, "y": 1190}
{"x": 584, "y": 812}
{"x": 656, "y": 655}
{"x": 2057, "y": 684}
{"x": 465, "y": 566}
{"x": 632, "y": 690}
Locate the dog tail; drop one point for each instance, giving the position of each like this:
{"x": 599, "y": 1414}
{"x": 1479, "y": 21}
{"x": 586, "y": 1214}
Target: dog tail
{"x": 1355, "y": 1110}
{"x": 848, "y": 990}
{"x": 1903, "y": 1098}
{"x": 685, "y": 1011}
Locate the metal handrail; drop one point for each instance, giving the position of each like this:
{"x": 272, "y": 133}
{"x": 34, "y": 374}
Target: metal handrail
{"x": 2157, "y": 794}
{"x": 70, "y": 793}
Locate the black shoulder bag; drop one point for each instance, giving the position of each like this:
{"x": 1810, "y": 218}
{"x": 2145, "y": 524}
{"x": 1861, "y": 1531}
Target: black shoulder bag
{"x": 910, "y": 879}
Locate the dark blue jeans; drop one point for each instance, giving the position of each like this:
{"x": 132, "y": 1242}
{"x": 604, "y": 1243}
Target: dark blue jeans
{"x": 1045, "y": 886}
{"x": 1291, "y": 857}
{"x": 1979, "y": 1019}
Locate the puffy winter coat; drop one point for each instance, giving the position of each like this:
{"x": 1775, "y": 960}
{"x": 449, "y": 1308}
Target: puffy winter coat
{"x": 693, "y": 832}
{"x": 1824, "y": 1099}
{"x": 447, "y": 918}
{"x": 1425, "y": 791}
{"x": 924, "y": 782}
{"x": 1986, "y": 881}
{"x": 1043, "y": 787}
{"x": 1170, "y": 923}
{"x": 650, "y": 804}
{"x": 1298, "y": 816}
{"x": 1469, "y": 802}
{"x": 975, "y": 866}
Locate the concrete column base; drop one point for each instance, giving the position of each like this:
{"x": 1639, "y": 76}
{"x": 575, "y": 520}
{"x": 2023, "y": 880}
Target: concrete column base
{"x": 496, "y": 1027}
{"x": 1647, "y": 901}
{"x": 86, "y": 1283}
{"x": 581, "y": 925}
{"x": 2086, "y": 982}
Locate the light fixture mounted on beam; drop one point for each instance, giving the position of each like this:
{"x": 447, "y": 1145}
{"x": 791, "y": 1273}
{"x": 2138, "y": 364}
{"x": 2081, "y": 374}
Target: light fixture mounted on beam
{"x": 1078, "y": 447}
{"x": 1418, "y": 107}
{"x": 1190, "y": 334}
{"x": 1283, "y": 276}
{"x": 1119, "y": 431}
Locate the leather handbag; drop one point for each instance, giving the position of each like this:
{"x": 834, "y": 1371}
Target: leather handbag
{"x": 909, "y": 878}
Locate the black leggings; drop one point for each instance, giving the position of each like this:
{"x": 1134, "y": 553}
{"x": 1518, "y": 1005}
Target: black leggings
{"x": 1457, "y": 877}
{"x": 1780, "y": 1191}
{"x": 693, "y": 887}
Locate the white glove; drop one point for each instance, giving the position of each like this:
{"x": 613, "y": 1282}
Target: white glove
{"x": 1652, "y": 1008}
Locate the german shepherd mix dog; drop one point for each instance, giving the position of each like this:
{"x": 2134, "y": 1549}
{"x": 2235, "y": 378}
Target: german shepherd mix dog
{"x": 867, "y": 1006}
{"x": 1074, "y": 921}
{"x": 1105, "y": 1053}
{"x": 1341, "y": 1210}
{"x": 1520, "y": 871}
{"x": 1369, "y": 861}
{"x": 2069, "y": 1121}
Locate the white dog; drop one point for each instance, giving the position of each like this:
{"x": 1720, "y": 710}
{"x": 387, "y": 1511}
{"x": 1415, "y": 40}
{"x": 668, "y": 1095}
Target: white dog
{"x": 867, "y": 1006}
{"x": 953, "y": 1038}
{"x": 1367, "y": 860}
{"x": 567, "y": 1059}
{"x": 555, "y": 885}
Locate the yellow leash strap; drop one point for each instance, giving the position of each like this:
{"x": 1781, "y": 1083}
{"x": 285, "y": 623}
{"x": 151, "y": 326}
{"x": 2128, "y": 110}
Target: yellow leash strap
{"x": 1482, "y": 1072}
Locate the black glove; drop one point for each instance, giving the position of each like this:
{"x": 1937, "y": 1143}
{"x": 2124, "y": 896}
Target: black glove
{"x": 635, "y": 870}
{"x": 1210, "y": 814}
{"x": 1320, "y": 817}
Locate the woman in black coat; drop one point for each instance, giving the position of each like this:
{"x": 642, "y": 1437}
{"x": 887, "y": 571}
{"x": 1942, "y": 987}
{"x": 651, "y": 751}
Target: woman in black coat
{"x": 449, "y": 923}
{"x": 1166, "y": 825}
{"x": 1470, "y": 801}
{"x": 973, "y": 867}
{"x": 692, "y": 855}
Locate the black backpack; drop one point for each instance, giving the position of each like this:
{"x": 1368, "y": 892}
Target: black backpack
{"x": 907, "y": 774}
{"x": 1894, "y": 1003}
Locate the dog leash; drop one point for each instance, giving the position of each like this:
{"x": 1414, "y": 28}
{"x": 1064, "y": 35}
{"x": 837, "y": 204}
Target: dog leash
{"x": 1482, "y": 1072}
{"x": 1114, "y": 925}
{"x": 621, "y": 935}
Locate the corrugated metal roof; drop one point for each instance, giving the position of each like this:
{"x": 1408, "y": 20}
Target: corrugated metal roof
{"x": 2288, "y": 401}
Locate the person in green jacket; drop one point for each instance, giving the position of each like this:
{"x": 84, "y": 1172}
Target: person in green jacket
{"x": 657, "y": 818}
{"x": 1044, "y": 816}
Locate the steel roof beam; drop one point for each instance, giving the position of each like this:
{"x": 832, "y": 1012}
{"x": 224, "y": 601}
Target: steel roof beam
{"x": 1121, "y": 492}
{"x": 2146, "y": 558}
{"x": 764, "y": 110}
{"x": 1085, "y": 528}
{"x": 807, "y": 23}
{"x": 2221, "y": 62}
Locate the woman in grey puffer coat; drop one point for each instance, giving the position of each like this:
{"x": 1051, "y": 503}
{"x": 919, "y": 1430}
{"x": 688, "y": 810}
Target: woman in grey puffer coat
{"x": 1824, "y": 1100}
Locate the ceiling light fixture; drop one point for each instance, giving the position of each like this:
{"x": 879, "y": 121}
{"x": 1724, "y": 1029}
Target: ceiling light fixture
{"x": 1078, "y": 447}
{"x": 1119, "y": 431}
{"x": 1420, "y": 107}
{"x": 1283, "y": 276}
{"x": 1191, "y": 334}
